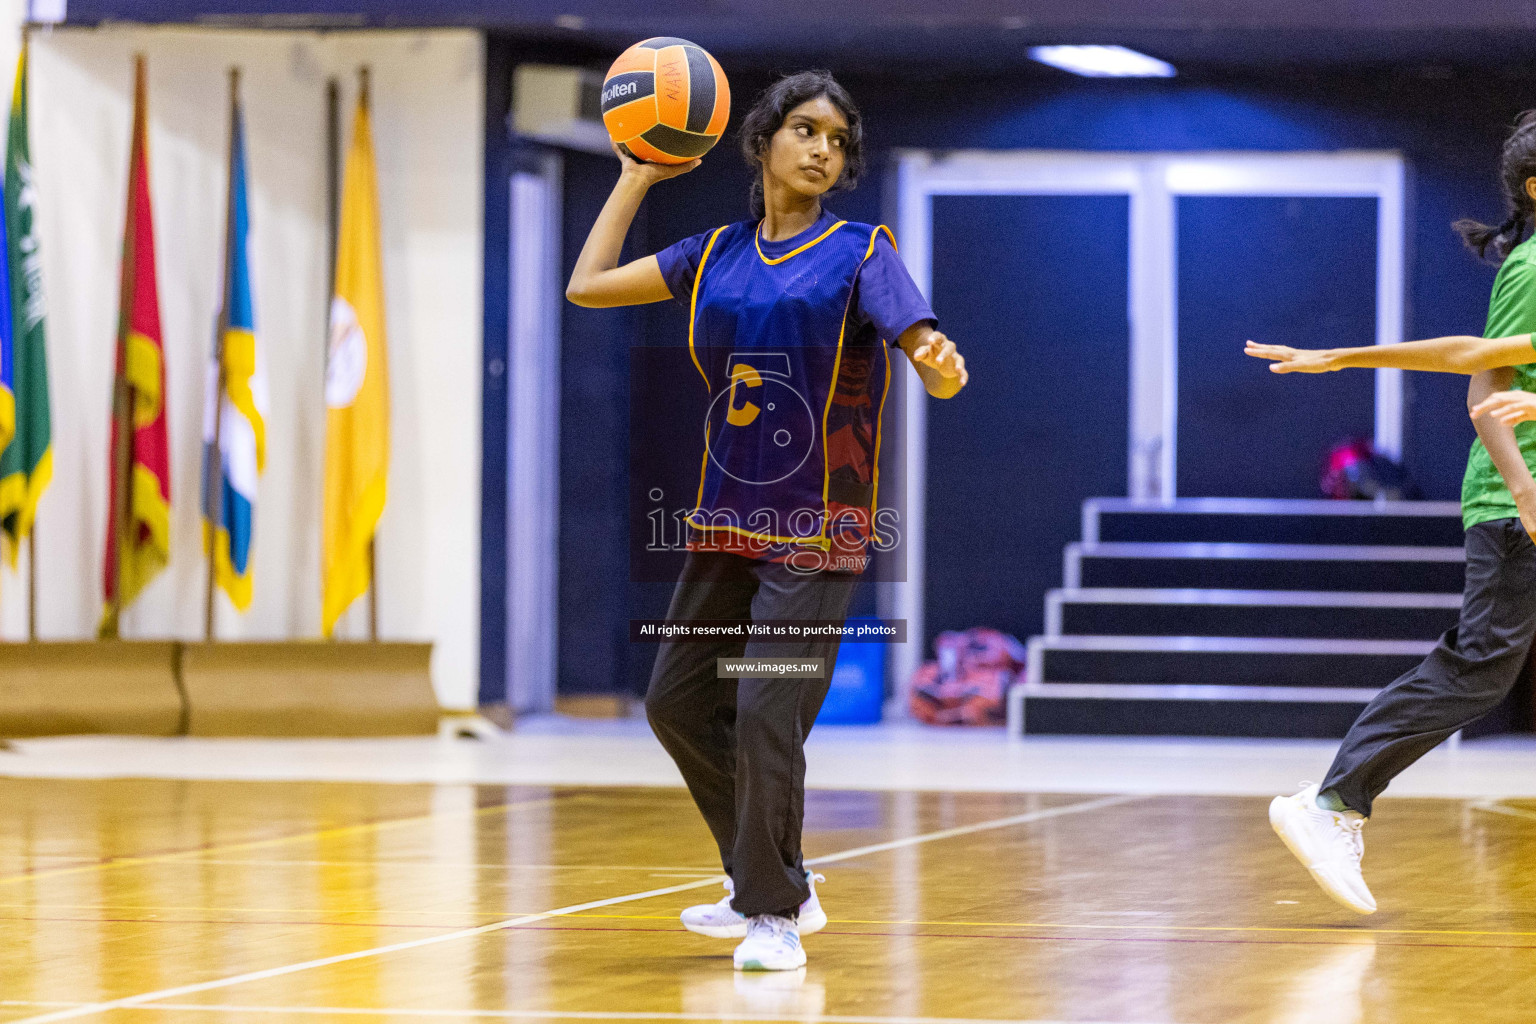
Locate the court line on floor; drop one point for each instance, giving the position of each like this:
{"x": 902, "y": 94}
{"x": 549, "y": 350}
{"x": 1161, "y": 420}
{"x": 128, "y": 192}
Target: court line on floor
{"x": 161, "y": 995}
{"x": 1493, "y": 806}
{"x": 983, "y": 826}
{"x": 617, "y": 1015}
{"x": 205, "y": 921}
{"x": 1342, "y": 929}
{"x": 257, "y": 844}
{"x": 1368, "y": 941}
{"x": 465, "y": 865}
{"x": 1360, "y": 934}
{"x": 1364, "y": 939}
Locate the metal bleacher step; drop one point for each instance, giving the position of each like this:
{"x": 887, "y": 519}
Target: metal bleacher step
{"x": 1273, "y": 521}
{"x": 1223, "y": 661}
{"x": 1238, "y": 616}
{"x": 1230, "y": 566}
{"x": 1224, "y": 686}
{"x": 1191, "y": 710}
{"x": 1340, "y": 615}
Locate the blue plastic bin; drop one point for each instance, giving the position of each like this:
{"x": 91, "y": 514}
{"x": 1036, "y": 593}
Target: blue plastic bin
{"x": 858, "y": 683}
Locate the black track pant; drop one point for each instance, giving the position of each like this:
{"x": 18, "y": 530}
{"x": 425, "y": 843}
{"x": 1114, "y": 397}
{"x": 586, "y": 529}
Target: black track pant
{"x": 740, "y": 743}
{"x": 1467, "y": 674}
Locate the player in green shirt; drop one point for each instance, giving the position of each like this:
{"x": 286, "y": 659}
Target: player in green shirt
{"x": 1477, "y": 663}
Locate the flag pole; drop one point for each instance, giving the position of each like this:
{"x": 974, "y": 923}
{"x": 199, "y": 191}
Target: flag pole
{"x": 122, "y": 461}
{"x": 122, "y": 391}
{"x": 332, "y": 208}
{"x": 32, "y": 582}
{"x": 213, "y": 470}
{"x": 373, "y": 594}
{"x": 32, "y": 530}
{"x": 332, "y": 184}
{"x": 365, "y": 100}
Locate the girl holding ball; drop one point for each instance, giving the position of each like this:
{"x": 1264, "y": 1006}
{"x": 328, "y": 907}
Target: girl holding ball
{"x": 800, "y": 298}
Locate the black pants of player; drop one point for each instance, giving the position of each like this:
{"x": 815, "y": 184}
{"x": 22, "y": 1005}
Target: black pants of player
{"x": 740, "y": 744}
{"x": 1469, "y": 672}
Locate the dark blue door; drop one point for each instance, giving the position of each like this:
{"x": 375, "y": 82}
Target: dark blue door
{"x": 1287, "y": 271}
{"x": 1033, "y": 290}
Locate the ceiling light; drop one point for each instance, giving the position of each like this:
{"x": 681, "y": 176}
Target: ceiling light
{"x": 1102, "y": 61}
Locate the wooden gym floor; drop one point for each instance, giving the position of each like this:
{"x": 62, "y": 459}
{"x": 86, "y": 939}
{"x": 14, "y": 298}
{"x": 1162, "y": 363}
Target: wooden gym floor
{"x": 136, "y": 900}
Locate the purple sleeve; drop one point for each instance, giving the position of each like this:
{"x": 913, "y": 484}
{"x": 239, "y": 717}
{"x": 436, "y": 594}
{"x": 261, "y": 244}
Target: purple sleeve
{"x": 679, "y": 263}
{"x": 887, "y": 297}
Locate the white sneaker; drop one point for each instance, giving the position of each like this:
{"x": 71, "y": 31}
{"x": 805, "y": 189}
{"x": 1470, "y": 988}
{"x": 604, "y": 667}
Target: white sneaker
{"x": 1328, "y": 843}
{"x": 772, "y": 944}
{"x": 811, "y": 918}
{"x": 719, "y": 921}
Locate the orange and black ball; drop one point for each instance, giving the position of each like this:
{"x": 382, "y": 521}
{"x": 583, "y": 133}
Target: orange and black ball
{"x": 665, "y": 100}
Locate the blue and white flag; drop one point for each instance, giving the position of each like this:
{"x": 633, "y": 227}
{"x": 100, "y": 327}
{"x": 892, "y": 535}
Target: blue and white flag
{"x": 241, "y": 403}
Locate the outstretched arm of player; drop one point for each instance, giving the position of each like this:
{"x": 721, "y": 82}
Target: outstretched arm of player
{"x": 937, "y": 361}
{"x": 597, "y": 279}
{"x": 1456, "y": 354}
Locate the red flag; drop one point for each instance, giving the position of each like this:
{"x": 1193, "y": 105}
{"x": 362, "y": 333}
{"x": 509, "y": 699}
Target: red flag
{"x": 141, "y": 468}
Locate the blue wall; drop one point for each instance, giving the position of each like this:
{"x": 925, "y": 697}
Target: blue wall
{"x": 1288, "y": 271}
{"x": 1449, "y": 131}
{"x": 596, "y": 601}
{"x": 1034, "y": 289}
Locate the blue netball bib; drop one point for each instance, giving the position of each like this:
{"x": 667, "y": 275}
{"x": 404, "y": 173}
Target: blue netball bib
{"x": 797, "y": 388}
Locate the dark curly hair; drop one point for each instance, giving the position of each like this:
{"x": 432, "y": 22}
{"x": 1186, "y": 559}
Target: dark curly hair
{"x": 773, "y": 106}
{"x": 1517, "y": 163}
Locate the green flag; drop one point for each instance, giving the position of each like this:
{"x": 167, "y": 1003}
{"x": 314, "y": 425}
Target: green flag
{"x": 26, "y": 465}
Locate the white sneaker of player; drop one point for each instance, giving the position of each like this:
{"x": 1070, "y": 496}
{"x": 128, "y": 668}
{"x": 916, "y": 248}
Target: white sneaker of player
{"x": 719, "y": 921}
{"x": 812, "y": 918}
{"x": 1329, "y": 845}
{"x": 772, "y": 944}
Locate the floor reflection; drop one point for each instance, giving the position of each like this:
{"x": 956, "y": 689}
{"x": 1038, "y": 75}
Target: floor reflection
{"x": 782, "y": 993}
{"x": 1331, "y": 989}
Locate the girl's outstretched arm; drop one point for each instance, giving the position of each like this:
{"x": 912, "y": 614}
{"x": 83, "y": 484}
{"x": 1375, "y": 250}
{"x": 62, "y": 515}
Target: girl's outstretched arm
{"x": 597, "y": 279}
{"x": 1456, "y": 354}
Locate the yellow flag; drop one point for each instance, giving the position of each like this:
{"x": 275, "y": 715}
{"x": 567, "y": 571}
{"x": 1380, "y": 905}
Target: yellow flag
{"x": 356, "y": 387}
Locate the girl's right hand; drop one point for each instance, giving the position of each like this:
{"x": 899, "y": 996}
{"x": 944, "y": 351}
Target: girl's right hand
{"x": 1508, "y": 407}
{"x": 649, "y": 173}
{"x": 1293, "y": 360}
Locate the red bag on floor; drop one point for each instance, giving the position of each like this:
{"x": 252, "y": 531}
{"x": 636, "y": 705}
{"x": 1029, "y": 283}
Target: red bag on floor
{"x": 968, "y": 682}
